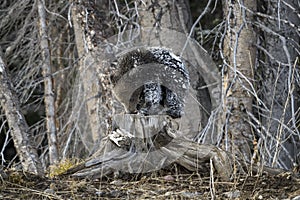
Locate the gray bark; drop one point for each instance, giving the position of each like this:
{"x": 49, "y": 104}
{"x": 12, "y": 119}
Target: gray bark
{"x": 49, "y": 98}
{"x": 239, "y": 53}
{"x": 20, "y": 131}
{"x": 87, "y": 70}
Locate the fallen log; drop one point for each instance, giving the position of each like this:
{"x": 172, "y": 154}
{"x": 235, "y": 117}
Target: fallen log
{"x": 141, "y": 144}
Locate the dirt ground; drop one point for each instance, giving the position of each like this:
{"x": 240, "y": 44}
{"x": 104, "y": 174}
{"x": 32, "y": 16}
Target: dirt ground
{"x": 162, "y": 185}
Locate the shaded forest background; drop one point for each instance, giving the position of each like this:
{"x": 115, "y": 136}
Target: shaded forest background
{"x": 271, "y": 121}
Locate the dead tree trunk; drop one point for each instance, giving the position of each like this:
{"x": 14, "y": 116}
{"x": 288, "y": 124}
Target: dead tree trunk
{"x": 239, "y": 55}
{"x": 92, "y": 88}
{"x": 20, "y": 131}
{"x": 49, "y": 98}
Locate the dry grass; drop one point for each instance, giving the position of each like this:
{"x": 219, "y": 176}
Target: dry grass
{"x": 160, "y": 185}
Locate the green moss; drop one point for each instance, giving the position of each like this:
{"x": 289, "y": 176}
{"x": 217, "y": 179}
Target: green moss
{"x": 62, "y": 167}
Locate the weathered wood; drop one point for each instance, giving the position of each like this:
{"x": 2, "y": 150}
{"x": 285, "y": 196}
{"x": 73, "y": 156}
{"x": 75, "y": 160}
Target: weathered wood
{"x": 87, "y": 71}
{"x": 49, "y": 97}
{"x": 237, "y": 78}
{"x": 192, "y": 156}
{"x": 148, "y": 143}
{"x": 142, "y": 144}
{"x": 19, "y": 129}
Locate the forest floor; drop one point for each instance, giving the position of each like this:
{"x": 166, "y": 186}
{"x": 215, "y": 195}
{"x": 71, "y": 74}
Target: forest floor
{"x": 162, "y": 185}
